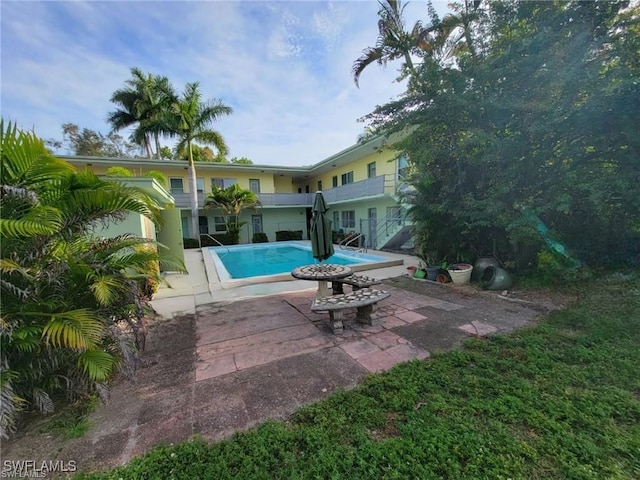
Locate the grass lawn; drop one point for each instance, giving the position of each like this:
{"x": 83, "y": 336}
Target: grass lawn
{"x": 558, "y": 401}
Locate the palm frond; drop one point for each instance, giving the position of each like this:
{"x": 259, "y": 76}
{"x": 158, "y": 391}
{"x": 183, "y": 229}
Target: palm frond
{"x": 42, "y": 401}
{"x": 10, "y": 404}
{"x": 98, "y": 365}
{"x": 76, "y": 329}
{"x": 105, "y": 288}
{"x": 41, "y": 220}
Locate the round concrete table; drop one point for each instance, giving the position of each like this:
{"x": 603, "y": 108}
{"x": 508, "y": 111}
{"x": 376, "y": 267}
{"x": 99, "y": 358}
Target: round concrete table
{"x": 322, "y": 272}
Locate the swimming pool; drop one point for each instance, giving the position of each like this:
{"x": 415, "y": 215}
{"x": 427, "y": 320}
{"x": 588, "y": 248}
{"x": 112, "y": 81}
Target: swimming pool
{"x": 264, "y": 260}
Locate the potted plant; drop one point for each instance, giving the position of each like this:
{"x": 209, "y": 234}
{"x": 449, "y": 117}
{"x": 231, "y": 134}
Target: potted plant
{"x": 460, "y": 273}
{"x": 431, "y": 266}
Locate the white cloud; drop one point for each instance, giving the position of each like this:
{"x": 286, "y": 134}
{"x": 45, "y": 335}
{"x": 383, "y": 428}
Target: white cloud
{"x": 285, "y": 67}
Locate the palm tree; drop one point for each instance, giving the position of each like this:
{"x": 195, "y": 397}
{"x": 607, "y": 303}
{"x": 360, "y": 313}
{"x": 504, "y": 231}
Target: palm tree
{"x": 143, "y": 102}
{"x": 232, "y": 201}
{"x": 441, "y": 40}
{"x": 63, "y": 290}
{"x": 393, "y": 41}
{"x": 190, "y": 120}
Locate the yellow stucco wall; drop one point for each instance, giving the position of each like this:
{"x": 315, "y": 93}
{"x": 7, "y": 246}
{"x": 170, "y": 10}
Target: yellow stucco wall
{"x": 359, "y": 168}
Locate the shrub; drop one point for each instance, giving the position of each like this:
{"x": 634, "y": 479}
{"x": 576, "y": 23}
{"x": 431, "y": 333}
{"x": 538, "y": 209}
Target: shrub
{"x": 229, "y": 238}
{"x": 119, "y": 172}
{"x": 259, "y": 238}
{"x": 284, "y": 235}
{"x": 159, "y": 176}
{"x": 190, "y": 243}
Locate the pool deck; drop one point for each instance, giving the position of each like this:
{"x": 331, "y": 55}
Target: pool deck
{"x": 223, "y": 361}
{"x": 183, "y": 293}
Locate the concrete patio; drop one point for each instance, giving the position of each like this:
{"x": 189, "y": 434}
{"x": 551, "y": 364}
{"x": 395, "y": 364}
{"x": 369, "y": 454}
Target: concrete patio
{"x": 218, "y": 362}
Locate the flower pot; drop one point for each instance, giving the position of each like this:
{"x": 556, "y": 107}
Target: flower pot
{"x": 460, "y": 273}
{"x": 442, "y": 278}
{"x": 419, "y": 273}
{"x": 496, "y": 278}
{"x": 481, "y": 264}
{"x": 432, "y": 273}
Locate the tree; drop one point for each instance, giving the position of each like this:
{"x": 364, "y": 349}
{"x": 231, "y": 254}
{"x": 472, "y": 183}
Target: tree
{"x": 143, "y": 102}
{"x": 538, "y": 124}
{"x": 189, "y": 120}
{"x": 393, "y": 41}
{"x": 66, "y": 294}
{"x": 200, "y": 154}
{"x": 87, "y": 142}
{"x": 241, "y": 161}
{"x": 232, "y": 201}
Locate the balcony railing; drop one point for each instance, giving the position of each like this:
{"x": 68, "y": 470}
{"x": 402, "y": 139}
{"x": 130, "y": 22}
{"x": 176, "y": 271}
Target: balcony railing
{"x": 382, "y": 184}
{"x": 286, "y": 199}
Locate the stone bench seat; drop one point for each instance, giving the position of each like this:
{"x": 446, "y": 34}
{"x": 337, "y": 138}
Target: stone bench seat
{"x": 364, "y": 300}
{"x": 356, "y": 281}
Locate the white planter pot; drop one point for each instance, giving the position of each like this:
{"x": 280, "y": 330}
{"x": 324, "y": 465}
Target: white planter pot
{"x": 460, "y": 273}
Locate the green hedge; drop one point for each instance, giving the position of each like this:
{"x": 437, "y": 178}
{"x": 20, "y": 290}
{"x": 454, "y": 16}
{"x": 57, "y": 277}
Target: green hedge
{"x": 190, "y": 243}
{"x": 284, "y": 235}
{"x": 206, "y": 241}
{"x": 223, "y": 238}
{"x": 259, "y": 238}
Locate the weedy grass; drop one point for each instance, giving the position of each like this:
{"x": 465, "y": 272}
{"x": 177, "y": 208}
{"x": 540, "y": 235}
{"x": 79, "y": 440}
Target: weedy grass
{"x": 72, "y": 421}
{"x": 560, "y": 400}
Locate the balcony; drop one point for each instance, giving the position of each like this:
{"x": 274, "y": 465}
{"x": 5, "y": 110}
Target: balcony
{"x": 380, "y": 185}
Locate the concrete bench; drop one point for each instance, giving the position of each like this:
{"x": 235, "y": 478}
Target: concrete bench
{"x": 356, "y": 281}
{"x": 365, "y": 300}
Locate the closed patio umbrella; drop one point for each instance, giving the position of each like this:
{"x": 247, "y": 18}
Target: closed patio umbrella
{"x": 321, "y": 238}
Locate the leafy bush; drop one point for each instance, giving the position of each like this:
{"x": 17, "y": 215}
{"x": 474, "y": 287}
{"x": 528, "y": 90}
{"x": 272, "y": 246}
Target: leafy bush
{"x": 190, "y": 243}
{"x": 159, "y": 176}
{"x": 259, "y": 238}
{"x": 229, "y": 238}
{"x": 67, "y": 332}
{"x": 117, "y": 171}
{"x": 284, "y": 235}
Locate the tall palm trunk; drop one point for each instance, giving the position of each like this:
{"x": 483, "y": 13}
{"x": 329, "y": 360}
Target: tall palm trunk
{"x": 193, "y": 188}
{"x": 157, "y": 138}
{"x": 147, "y": 145}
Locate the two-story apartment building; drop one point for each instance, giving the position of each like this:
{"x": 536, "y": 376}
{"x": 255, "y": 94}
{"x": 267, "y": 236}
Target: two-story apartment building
{"x": 360, "y": 186}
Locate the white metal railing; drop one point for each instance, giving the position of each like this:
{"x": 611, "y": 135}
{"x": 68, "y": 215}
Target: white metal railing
{"x": 347, "y": 243}
{"x": 379, "y": 185}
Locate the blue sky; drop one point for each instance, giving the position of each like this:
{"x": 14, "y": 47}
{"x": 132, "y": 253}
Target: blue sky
{"x": 284, "y": 67}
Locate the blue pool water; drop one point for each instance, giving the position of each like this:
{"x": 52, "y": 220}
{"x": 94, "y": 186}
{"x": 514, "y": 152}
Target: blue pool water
{"x": 244, "y": 261}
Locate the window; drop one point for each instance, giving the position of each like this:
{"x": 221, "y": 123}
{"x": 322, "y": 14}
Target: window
{"x": 254, "y": 185}
{"x": 371, "y": 170}
{"x": 200, "y": 185}
{"x": 218, "y": 225}
{"x": 347, "y": 178}
{"x": 175, "y": 185}
{"x": 185, "y": 227}
{"x": 336, "y": 221}
{"x": 222, "y": 182}
{"x": 319, "y": 185}
{"x": 334, "y": 181}
{"x": 256, "y": 222}
{"x": 403, "y": 167}
{"x": 203, "y": 224}
{"x": 349, "y": 219}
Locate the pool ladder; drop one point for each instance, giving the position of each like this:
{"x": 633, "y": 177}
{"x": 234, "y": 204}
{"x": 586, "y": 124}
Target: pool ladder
{"x": 216, "y": 241}
{"x": 346, "y": 244}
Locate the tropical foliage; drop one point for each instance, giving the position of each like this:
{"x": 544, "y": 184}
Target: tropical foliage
{"x": 72, "y": 302}
{"x": 231, "y": 201}
{"x": 143, "y": 103}
{"x": 525, "y": 136}
{"x": 91, "y": 143}
{"x": 190, "y": 120}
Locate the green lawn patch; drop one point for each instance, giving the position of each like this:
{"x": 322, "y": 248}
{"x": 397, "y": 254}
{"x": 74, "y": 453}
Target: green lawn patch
{"x": 557, "y": 401}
